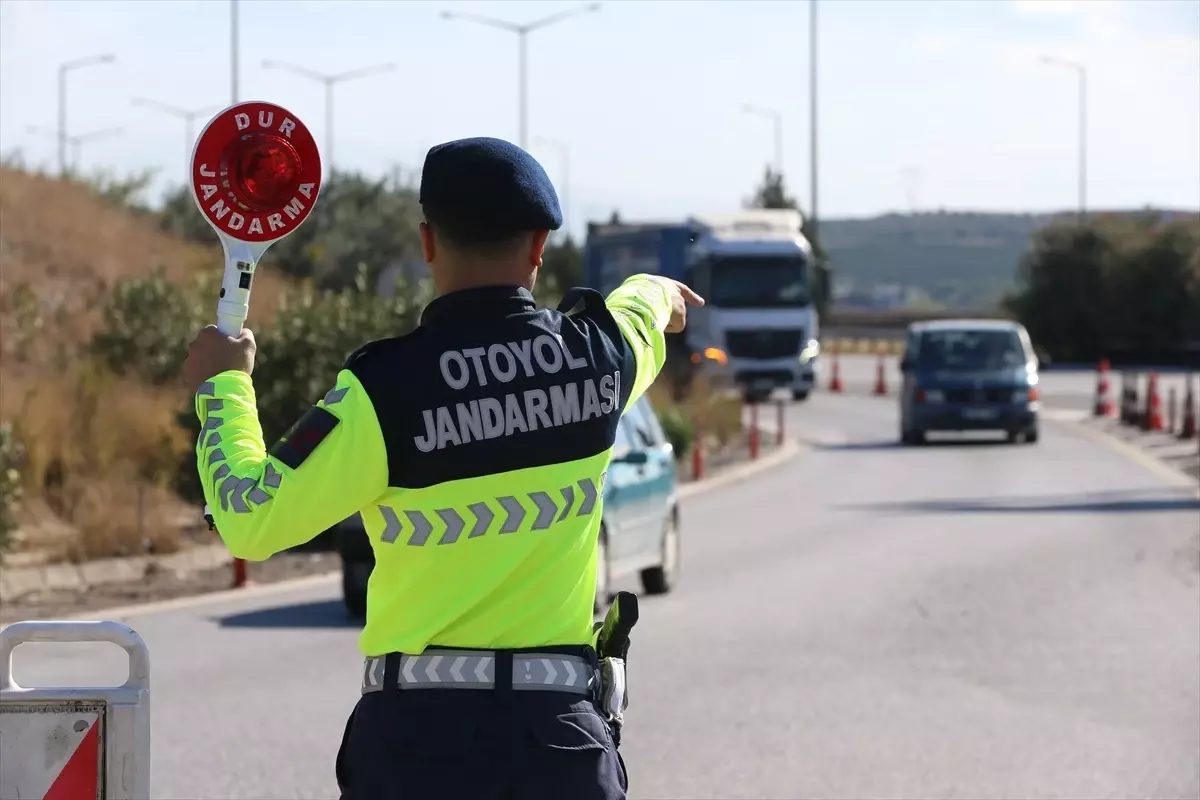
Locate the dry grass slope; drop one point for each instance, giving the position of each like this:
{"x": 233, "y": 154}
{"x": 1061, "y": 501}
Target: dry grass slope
{"x": 100, "y": 449}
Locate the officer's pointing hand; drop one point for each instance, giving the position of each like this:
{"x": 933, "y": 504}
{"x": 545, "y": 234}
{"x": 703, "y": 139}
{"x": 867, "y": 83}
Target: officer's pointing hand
{"x": 682, "y": 296}
{"x": 212, "y": 353}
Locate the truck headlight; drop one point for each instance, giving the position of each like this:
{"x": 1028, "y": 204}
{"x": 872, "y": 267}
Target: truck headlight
{"x": 810, "y": 351}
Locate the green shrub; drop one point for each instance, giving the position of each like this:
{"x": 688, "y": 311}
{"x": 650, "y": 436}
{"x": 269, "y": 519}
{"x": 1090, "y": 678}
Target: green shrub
{"x": 679, "y": 429}
{"x": 12, "y": 460}
{"x": 149, "y": 321}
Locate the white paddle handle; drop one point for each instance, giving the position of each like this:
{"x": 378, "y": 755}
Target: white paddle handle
{"x": 234, "y": 304}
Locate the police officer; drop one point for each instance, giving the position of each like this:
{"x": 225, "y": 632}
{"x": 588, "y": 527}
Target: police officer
{"x": 475, "y": 449}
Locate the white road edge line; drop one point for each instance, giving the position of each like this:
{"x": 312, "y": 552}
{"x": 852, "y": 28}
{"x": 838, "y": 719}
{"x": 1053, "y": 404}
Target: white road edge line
{"x": 789, "y": 449}
{"x": 1135, "y": 454}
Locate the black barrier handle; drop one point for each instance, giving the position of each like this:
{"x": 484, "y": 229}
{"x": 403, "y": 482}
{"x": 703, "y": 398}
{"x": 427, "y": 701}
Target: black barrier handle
{"x": 613, "y": 641}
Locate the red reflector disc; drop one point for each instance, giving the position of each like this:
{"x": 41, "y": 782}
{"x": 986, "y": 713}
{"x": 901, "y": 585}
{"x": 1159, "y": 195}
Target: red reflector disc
{"x": 263, "y": 171}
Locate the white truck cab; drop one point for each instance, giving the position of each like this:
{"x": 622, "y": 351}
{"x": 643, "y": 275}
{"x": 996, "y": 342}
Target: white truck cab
{"x": 758, "y": 329}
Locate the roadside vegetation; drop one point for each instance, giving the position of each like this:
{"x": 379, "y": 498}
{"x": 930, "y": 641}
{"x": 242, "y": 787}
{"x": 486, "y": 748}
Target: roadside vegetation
{"x": 99, "y": 297}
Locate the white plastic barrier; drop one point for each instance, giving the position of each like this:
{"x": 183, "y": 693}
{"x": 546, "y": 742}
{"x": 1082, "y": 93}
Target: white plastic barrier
{"x": 75, "y": 743}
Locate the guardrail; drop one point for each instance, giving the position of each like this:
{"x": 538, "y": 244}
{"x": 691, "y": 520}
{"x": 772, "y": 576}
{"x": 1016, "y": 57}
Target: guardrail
{"x": 71, "y": 743}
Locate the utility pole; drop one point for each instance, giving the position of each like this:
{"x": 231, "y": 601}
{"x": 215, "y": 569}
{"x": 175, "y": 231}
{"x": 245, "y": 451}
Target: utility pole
{"x": 329, "y": 82}
{"x": 814, "y": 214}
{"x": 522, "y": 32}
{"x": 63, "y": 71}
{"x": 1081, "y": 71}
{"x": 233, "y": 52}
{"x": 188, "y": 116}
{"x": 776, "y": 118}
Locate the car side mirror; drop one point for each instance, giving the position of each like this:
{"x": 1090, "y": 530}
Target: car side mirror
{"x": 634, "y": 457}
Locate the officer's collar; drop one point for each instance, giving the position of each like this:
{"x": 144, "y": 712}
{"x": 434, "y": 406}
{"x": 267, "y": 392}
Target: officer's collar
{"x": 482, "y": 301}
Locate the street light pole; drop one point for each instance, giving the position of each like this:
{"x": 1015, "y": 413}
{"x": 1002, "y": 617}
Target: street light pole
{"x": 329, "y": 82}
{"x": 233, "y": 52}
{"x": 188, "y": 117}
{"x": 76, "y": 142}
{"x": 522, "y": 32}
{"x": 1081, "y": 71}
{"x": 63, "y": 69}
{"x": 812, "y": 118}
{"x": 776, "y": 118}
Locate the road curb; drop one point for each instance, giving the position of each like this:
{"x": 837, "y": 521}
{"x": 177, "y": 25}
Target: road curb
{"x": 212, "y": 556}
{"x": 784, "y": 452}
{"x": 16, "y": 582}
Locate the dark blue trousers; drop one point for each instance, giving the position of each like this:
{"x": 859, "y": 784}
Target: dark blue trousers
{"x": 478, "y": 745}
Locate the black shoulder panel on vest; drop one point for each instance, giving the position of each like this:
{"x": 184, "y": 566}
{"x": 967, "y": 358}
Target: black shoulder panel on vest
{"x": 465, "y": 397}
{"x": 295, "y": 446}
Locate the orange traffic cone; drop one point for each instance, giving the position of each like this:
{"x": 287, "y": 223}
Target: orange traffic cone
{"x": 1104, "y": 404}
{"x": 835, "y": 382}
{"x": 1153, "y": 420}
{"x": 1188, "y": 429}
{"x": 880, "y": 379}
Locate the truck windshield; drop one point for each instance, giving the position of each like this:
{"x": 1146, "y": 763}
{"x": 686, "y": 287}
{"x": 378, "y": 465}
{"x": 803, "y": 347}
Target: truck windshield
{"x": 759, "y": 282}
{"x": 970, "y": 350}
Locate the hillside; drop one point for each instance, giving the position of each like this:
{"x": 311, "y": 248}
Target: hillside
{"x": 92, "y": 439}
{"x": 957, "y": 259}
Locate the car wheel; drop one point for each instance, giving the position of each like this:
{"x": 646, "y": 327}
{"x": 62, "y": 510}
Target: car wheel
{"x": 799, "y": 395}
{"x": 354, "y": 588}
{"x": 1031, "y": 436}
{"x": 603, "y": 595}
{"x": 911, "y": 437}
{"x": 661, "y": 579}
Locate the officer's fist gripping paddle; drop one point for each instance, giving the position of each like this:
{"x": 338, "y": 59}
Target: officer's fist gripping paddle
{"x": 256, "y": 174}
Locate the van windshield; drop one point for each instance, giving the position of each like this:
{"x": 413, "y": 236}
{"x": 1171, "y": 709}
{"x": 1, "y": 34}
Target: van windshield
{"x": 963, "y": 350}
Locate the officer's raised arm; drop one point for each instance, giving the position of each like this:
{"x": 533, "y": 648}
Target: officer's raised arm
{"x": 646, "y": 308}
{"x": 328, "y": 466}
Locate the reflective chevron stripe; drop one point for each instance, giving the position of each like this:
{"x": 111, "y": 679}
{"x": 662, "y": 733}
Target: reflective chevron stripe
{"x": 450, "y": 522}
{"x": 470, "y": 669}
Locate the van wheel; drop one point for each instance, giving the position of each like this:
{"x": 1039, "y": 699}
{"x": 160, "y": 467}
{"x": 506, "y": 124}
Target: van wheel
{"x": 603, "y": 578}
{"x": 661, "y": 579}
{"x": 799, "y": 395}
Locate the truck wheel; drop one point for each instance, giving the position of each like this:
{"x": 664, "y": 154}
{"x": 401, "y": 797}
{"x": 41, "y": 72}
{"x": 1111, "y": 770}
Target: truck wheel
{"x": 800, "y": 395}
{"x": 756, "y": 398}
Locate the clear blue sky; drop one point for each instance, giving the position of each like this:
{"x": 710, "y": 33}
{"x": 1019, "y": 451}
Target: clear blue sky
{"x": 648, "y": 95}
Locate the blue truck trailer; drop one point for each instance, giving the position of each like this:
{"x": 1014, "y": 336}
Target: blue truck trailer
{"x": 758, "y": 329}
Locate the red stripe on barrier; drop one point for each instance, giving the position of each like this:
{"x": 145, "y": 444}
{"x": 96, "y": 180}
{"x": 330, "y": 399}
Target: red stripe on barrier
{"x": 80, "y": 776}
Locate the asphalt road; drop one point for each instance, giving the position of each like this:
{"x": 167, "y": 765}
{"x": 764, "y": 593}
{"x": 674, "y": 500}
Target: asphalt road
{"x": 966, "y": 620}
{"x": 1067, "y": 387}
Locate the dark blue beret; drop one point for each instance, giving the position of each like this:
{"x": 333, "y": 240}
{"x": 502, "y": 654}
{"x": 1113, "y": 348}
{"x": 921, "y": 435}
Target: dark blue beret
{"x": 488, "y": 186}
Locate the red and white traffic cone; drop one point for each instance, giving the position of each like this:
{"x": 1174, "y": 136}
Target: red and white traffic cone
{"x": 1104, "y": 404}
{"x": 880, "y": 378}
{"x": 835, "y": 381}
{"x": 1154, "y": 414}
{"x": 1188, "y": 429}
